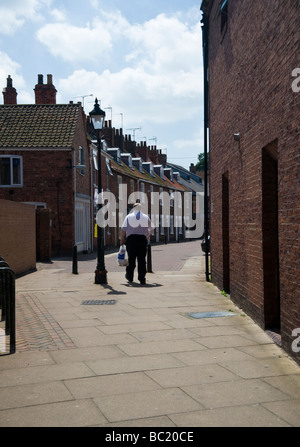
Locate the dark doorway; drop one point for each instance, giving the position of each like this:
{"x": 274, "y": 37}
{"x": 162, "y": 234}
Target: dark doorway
{"x": 270, "y": 236}
{"x": 225, "y": 233}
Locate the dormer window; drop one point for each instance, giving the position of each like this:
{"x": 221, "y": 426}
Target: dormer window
{"x": 159, "y": 170}
{"x": 148, "y": 167}
{"x": 127, "y": 159}
{"x": 168, "y": 172}
{"x": 137, "y": 163}
{"x": 115, "y": 153}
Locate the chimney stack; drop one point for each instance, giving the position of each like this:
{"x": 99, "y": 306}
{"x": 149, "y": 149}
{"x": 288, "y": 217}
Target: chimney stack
{"x": 45, "y": 93}
{"x": 9, "y": 93}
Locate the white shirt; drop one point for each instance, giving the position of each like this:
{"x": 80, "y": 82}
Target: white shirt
{"x": 137, "y": 223}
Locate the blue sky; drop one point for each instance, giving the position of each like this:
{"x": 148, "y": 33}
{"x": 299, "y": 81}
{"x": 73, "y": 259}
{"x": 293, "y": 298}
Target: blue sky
{"x": 141, "y": 58}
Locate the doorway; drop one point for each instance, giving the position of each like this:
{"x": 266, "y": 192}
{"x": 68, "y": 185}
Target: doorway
{"x": 225, "y": 233}
{"x": 82, "y": 225}
{"x": 271, "y": 279}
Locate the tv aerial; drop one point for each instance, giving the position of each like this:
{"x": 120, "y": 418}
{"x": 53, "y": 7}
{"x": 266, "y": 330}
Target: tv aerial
{"x": 134, "y": 129}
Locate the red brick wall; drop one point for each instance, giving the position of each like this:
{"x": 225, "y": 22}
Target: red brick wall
{"x": 47, "y": 178}
{"x": 250, "y": 92}
{"x": 17, "y": 236}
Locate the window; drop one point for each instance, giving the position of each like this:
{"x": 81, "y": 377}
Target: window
{"x": 172, "y": 198}
{"x": 108, "y": 166}
{"x": 131, "y": 186}
{"x": 151, "y": 190}
{"x": 143, "y": 192}
{"x": 81, "y": 160}
{"x": 11, "y": 170}
{"x": 161, "y": 196}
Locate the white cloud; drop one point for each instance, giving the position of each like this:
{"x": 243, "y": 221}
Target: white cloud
{"x": 162, "y": 76}
{"x": 16, "y": 12}
{"x": 94, "y": 3}
{"x": 12, "y": 68}
{"x": 74, "y": 44}
{"x": 142, "y": 96}
{"x": 58, "y": 15}
{"x": 77, "y": 44}
{"x": 165, "y": 43}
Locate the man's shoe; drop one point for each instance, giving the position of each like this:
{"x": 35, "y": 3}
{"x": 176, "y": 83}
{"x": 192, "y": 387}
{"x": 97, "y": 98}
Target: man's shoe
{"x": 143, "y": 282}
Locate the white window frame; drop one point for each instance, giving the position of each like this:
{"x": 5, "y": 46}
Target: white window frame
{"x": 81, "y": 158}
{"x": 14, "y": 185}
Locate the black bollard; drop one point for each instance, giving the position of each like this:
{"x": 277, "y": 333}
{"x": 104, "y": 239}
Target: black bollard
{"x": 149, "y": 259}
{"x": 75, "y": 264}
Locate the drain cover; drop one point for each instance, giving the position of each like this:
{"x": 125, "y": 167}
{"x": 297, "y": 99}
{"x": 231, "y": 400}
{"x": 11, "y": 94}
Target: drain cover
{"x": 211, "y": 315}
{"x": 98, "y": 302}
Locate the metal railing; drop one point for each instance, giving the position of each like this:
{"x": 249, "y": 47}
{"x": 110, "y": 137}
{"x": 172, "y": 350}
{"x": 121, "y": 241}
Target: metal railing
{"x": 7, "y": 307}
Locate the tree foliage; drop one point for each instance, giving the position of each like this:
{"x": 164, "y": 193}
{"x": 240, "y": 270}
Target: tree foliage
{"x": 201, "y": 163}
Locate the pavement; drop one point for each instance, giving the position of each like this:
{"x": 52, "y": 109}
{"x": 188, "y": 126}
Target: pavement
{"x": 173, "y": 353}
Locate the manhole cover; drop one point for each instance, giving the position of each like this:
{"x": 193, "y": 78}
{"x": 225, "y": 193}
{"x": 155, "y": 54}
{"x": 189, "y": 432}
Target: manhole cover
{"x": 98, "y": 302}
{"x": 211, "y": 315}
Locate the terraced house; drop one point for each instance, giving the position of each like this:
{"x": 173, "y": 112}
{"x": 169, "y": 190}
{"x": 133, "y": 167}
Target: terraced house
{"x": 40, "y": 146}
{"x": 48, "y": 158}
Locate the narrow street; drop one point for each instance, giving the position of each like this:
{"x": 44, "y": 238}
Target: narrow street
{"x": 165, "y": 257}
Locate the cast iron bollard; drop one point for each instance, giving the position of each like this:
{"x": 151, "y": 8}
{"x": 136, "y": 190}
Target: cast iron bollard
{"x": 75, "y": 261}
{"x": 149, "y": 259}
{"x": 8, "y": 302}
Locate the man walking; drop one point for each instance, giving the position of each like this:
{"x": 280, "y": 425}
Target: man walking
{"x": 136, "y": 229}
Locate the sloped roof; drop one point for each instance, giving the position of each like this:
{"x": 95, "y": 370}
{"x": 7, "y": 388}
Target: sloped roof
{"x": 188, "y": 179}
{"x": 134, "y": 173}
{"x": 38, "y": 126}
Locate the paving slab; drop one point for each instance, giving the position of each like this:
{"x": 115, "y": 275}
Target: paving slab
{"x": 115, "y": 408}
{"x": 235, "y": 393}
{"x": 242, "y": 416}
{"x": 109, "y": 385}
{"x": 141, "y": 361}
{"x": 73, "y": 413}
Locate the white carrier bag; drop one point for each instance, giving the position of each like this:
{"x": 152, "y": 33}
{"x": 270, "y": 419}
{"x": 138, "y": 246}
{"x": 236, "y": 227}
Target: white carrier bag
{"x": 122, "y": 256}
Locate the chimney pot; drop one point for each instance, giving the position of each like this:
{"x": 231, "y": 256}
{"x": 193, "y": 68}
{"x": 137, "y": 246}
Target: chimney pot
{"x": 9, "y": 81}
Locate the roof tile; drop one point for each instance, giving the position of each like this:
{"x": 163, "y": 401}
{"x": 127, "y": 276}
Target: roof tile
{"x": 38, "y": 126}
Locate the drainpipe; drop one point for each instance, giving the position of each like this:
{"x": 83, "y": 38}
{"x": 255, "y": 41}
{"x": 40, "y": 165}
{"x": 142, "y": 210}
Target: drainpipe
{"x": 205, "y": 33}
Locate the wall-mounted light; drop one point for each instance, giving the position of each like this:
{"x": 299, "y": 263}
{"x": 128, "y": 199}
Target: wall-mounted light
{"x": 237, "y": 136}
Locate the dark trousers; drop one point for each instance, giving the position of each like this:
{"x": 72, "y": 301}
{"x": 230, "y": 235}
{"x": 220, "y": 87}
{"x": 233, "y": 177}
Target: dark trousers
{"x": 136, "y": 246}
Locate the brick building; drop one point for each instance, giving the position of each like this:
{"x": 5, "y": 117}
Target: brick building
{"x": 138, "y": 168}
{"x": 49, "y": 158}
{"x": 251, "y": 49}
{"x": 40, "y": 146}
